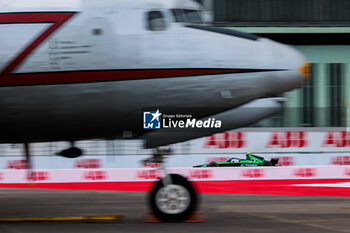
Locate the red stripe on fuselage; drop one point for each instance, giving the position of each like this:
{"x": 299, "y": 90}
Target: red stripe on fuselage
{"x": 107, "y": 75}
{"x": 56, "y": 18}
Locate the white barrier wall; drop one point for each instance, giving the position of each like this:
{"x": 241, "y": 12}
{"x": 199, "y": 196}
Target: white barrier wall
{"x": 92, "y": 162}
{"x": 195, "y": 174}
{"x": 295, "y": 147}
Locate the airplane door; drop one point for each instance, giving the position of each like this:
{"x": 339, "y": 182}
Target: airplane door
{"x": 167, "y": 45}
{"x": 159, "y": 41}
{"x": 100, "y": 38}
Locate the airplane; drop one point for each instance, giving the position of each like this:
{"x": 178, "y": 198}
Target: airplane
{"x": 89, "y": 70}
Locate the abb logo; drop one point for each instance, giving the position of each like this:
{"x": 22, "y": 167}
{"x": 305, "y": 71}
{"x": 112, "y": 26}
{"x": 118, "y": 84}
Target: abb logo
{"x": 87, "y": 163}
{"x": 16, "y": 164}
{"x": 337, "y": 139}
{"x": 226, "y": 140}
{"x": 252, "y": 173}
{"x": 304, "y": 172}
{"x": 286, "y": 161}
{"x": 288, "y": 139}
{"x": 217, "y": 159}
{"x": 149, "y": 174}
{"x": 347, "y": 172}
{"x": 38, "y": 176}
{"x": 200, "y": 174}
{"x": 95, "y": 175}
{"x": 341, "y": 160}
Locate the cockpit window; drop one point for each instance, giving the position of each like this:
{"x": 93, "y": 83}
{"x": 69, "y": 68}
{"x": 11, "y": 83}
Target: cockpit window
{"x": 179, "y": 15}
{"x": 193, "y": 16}
{"x": 186, "y": 15}
{"x": 156, "y": 21}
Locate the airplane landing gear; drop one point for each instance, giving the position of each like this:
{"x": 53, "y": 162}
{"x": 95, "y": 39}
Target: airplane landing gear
{"x": 173, "y": 198}
{"x": 173, "y": 202}
{"x": 27, "y": 156}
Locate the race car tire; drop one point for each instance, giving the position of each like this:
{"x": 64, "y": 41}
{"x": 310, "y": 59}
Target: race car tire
{"x": 213, "y": 164}
{"x": 266, "y": 163}
{"x": 174, "y": 202}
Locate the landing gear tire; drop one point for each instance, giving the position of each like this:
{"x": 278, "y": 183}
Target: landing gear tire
{"x": 174, "y": 202}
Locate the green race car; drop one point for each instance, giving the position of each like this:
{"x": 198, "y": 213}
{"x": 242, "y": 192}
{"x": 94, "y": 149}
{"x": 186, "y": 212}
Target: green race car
{"x": 250, "y": 161}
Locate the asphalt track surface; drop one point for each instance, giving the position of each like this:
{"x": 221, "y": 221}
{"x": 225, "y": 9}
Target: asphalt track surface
{"x": 224, "y": 212}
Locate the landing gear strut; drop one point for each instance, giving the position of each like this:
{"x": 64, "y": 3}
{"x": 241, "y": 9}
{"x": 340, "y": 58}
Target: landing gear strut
{"x": 29, "y": 165}
{"x": 173, "y": 198}
{"x": 27, "y": 156}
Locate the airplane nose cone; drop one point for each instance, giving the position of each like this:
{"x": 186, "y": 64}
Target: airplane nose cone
{"x": 285, "y": 56}
{"x": 292, "y": 64}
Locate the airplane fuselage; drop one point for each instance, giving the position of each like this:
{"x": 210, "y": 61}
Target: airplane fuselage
{"x": 89, "y": 73}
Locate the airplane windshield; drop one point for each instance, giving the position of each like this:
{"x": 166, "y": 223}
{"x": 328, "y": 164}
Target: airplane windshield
{"x": 187, "y": 16}
{"x": 193, "y": 16}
